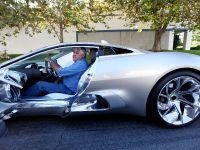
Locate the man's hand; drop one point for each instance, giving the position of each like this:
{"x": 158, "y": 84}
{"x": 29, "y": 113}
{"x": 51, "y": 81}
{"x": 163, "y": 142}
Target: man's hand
{"x": 48, "y": 59}
{"x": 54, "y": 65}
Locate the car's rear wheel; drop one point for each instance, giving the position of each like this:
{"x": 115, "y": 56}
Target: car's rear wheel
{"x": 175, "y": 100}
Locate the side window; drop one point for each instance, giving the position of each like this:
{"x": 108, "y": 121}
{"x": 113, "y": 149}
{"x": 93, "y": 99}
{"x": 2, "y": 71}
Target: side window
{"x": 122, "y": 51}
{"x": 108, "y": 51}
{"x": 113, "y": 51}
{"x": 91, "y": 54}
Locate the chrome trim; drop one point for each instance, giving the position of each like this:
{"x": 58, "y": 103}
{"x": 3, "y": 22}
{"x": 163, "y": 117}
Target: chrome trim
{"x": 86, "y": 78}
{"x": 4, "y": 77}
{"x": 86, "y": 103}
{"x": 7, "y": 110}
{"x": 42, "y": 107}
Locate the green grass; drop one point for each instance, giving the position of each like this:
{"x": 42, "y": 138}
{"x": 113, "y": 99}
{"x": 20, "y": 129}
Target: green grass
{"x": 14, "y": 55}
{"x": 2, "y": 60}
{"x": 196, "y": 52}
{"x": 11, "y": 56}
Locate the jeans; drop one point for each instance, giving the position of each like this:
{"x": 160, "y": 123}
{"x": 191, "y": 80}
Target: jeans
{"x": 43, "y": 87}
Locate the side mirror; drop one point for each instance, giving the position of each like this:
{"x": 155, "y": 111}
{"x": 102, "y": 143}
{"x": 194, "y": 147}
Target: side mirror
{"x": 3, "y": 128}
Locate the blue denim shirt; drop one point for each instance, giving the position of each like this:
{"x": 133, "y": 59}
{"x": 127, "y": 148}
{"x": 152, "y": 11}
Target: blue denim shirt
{"x": 73, "y": 73}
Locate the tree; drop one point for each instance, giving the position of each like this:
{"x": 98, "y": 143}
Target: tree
{"x": 11, "y": 17}
{"x": 194, "y": 8}
{"x": 158, "y": 13}
{"x": 57, "y": 16}
{"x": 100, "y": 12}
{"x": 196, "y": 37}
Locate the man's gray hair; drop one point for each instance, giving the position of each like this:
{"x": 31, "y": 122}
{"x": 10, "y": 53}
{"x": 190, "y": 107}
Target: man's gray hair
{"x": 81, "y": 49}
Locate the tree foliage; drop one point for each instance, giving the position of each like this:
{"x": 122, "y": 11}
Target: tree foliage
{"x": 194, "y": 9}
{"x": 99, "y": 11}
{"x": 58, "y": 16}
{"x": 11, "y": 16}
{"x": 158, "y": 13}
{"x": 55, "y": 16}
{"x": 196, "y": 36}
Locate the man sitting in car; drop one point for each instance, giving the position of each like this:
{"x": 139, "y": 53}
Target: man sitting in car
{"x": 70, "y": 74}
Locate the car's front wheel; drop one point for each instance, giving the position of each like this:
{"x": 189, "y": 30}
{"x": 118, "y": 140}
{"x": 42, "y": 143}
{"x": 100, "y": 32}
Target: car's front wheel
{"x": 175, "y": 100}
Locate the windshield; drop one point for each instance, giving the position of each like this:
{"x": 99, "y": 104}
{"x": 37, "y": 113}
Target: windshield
{"x": 58, "y": 54}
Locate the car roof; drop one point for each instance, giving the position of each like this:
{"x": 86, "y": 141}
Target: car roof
{"x": 92, "y": 44}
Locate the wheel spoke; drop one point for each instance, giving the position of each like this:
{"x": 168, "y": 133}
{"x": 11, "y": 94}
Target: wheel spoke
{"x": 196, "y": 111}
{"x": 167, "y": 111}
{"x": 190, "y": 91}
{"x": 163, "y": 106}
{"x": 184, "y": 101}
{"x": 178, "y": 108}
{"x": 172, "y": 115}
{"x": 185, "y": 80}
{"x": 178, "y": 84}
{"x": 167, "y": 89}
{"x": 163, "y": 95}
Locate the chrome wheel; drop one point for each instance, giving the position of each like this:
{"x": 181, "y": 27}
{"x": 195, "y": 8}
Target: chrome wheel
{"x": 179, "y": 100}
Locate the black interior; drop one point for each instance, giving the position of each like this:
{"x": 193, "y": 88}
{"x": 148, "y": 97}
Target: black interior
{"x": 33, "y": 73}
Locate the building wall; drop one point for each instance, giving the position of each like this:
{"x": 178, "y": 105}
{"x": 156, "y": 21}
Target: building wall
{"x": 129, "y": 38}
{"x": 24, "y": 43}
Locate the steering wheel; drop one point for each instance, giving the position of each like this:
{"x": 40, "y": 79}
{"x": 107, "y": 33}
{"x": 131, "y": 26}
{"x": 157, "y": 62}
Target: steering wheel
{"x": 49, "y": 70}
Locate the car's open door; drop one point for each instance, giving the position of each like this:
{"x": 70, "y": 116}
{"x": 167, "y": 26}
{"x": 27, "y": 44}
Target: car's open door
{"x": 85, "y": 100}
{"x": 82, "y": 101}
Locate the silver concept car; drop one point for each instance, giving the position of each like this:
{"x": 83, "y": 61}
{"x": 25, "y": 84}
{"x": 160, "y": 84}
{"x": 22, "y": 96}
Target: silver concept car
{"x": 163, "y": 86}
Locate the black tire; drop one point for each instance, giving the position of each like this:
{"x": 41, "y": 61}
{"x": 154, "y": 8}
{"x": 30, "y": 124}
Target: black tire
{"x": 152, "y": 104}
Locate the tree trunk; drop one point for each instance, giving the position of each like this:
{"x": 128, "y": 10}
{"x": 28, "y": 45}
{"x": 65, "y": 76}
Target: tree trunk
{"x": 157, "y": 40}
{"x": 61, "y": 39}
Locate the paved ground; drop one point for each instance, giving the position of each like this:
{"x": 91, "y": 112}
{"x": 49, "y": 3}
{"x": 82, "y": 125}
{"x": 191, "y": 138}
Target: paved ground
{"x": 96, "y": 132}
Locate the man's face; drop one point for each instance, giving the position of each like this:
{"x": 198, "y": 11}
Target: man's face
{"x": 77, "y": 54}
